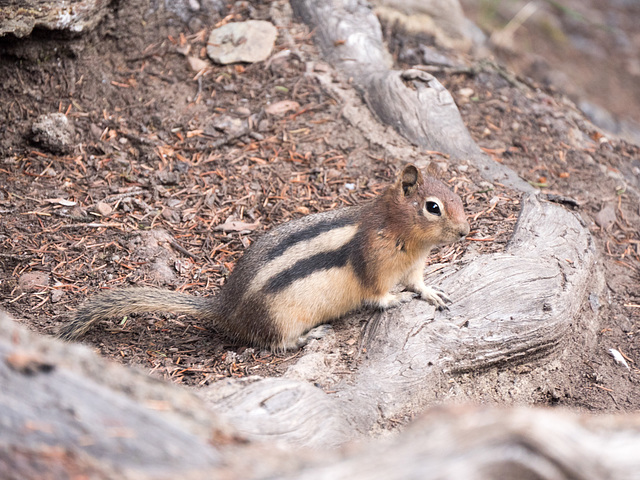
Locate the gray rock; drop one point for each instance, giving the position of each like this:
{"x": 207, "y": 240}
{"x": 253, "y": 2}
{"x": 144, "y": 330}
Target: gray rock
{"x": 186, "y": 9}
{"x": 73, "y": 16}
{"x": 229, "y": 125}
{"x": 432, "y": 56}
{"x": 625, "y": 323}
{"x": 196, "y": 64}
{"x": 53, "y": 132}
{"x": 250, "y": 41}
{"x": 56, "y": 296}
{"x": 599, "y": 116}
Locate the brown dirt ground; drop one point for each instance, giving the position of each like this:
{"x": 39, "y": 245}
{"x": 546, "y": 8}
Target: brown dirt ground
{"x": 155, "y": 142}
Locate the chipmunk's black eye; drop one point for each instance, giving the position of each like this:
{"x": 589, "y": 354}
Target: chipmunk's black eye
{"x": 433, "y": 208}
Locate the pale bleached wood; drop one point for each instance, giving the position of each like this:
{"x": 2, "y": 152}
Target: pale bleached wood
{"x": 488, "y": 443}
{"x": 282, "y": 410}
{"x": 63, "y": 408}
{"x": 507, "y": 308}
{"x": 85, "y": 415}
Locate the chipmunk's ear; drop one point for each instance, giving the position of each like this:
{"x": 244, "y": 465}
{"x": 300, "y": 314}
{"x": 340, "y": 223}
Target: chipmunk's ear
{"x": 411, "y": 178}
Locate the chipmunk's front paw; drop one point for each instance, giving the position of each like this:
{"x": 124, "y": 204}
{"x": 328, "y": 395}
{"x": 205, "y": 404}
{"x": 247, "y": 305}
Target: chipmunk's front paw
{"x": 435, "y": 296}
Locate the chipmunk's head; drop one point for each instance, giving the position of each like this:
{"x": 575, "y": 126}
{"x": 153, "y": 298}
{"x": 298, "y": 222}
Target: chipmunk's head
{"x": 436, "y": 213}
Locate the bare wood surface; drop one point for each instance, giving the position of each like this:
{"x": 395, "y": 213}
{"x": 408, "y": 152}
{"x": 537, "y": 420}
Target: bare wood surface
{"x": 284, "y": 410}
{"x": 64, "y": 408}
{"x": 486, "y": 443}
{"x": 509, "y": 308}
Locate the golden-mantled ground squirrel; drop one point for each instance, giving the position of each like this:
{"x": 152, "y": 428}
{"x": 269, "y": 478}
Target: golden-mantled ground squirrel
{"x": 313, "y": 269}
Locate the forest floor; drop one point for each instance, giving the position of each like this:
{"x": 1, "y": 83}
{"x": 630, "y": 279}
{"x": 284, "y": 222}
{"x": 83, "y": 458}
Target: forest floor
{"x": 165, "y": 157}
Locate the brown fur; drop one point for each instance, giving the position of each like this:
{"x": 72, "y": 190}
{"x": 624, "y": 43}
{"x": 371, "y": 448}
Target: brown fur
{"x": 312, "y": 270}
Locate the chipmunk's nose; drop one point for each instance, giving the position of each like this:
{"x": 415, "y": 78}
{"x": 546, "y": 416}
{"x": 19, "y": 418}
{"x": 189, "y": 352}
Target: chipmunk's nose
{"x": 464, "y": 230}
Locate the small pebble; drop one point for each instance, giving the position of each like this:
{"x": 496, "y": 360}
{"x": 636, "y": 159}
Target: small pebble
{"x": 33, "y": 281}
{"x": 104, "y": 209}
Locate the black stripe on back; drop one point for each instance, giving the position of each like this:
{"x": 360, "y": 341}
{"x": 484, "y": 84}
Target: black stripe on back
{"x": 308, "y": 233}
{"x": 304, "y": 268}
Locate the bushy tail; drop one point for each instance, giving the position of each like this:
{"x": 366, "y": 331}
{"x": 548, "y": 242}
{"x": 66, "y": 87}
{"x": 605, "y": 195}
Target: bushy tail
{"x": 121, "y": 302}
